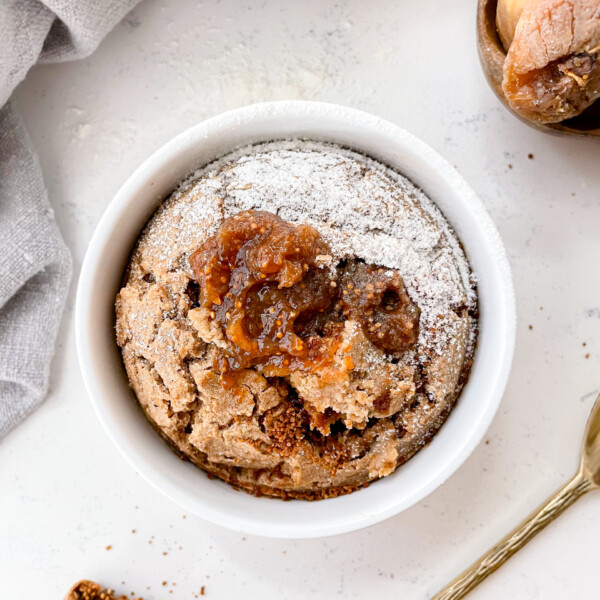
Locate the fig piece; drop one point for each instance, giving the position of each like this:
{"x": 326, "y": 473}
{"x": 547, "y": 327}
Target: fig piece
{"x": 508, "y": 13}
{"x": 552, "y": 68}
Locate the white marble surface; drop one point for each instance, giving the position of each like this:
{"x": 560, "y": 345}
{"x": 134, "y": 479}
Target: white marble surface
{"x": 65, "y": 493}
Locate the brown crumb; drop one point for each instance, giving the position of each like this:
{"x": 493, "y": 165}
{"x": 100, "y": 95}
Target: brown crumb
{"x": 89, "y": 590}
{"x": 530, "y": 327}
{"x": 587, "y": 355}
{"x": 530, "y": 156}
{"x": 109, "y": 547}
{"x": 509, "y": 166}
{"x": 133, "y": 531}
{"x": 584, "y": 344}
{"x": 202, "y": 591}
{"x": 285, "y": 427}
{"x": 164, "y": 583}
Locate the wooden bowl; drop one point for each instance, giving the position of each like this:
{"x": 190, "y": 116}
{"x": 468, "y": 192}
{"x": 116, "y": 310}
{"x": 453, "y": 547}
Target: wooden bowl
{"x": 492, "y": 55}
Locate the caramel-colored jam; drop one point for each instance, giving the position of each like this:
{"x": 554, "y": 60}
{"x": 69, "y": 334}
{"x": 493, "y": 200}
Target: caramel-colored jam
{"x": 271, "y": 287}
{"x": 259, "y": 275}
{"x": 377, "y": 298}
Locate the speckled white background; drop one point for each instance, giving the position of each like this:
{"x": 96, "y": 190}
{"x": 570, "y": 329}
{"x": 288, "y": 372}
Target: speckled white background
{"x": 65, "y": 493}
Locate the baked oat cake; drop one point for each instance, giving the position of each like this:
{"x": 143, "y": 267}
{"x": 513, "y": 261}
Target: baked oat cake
{"x": 297, "y": 319}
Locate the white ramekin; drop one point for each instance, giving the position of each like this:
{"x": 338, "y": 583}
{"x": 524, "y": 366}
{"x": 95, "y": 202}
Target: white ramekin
{"x": 105, "y": 377}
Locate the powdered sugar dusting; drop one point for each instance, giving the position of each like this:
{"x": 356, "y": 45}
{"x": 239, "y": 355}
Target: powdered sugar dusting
{"x": 361, "y": 208}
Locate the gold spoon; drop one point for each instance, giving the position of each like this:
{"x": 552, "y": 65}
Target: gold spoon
{"x": 587, "y": 478}
{"x": 492, "y": 55}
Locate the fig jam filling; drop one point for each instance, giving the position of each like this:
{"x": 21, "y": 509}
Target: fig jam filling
{"x": 377, "y": 299}
{"x": 274, "y": 291}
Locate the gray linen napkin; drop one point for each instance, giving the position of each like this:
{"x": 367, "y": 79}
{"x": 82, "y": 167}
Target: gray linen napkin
{"x": 35, "y": 265}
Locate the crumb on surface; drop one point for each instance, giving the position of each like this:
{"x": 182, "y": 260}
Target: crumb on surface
{"x": 89, "y": 590}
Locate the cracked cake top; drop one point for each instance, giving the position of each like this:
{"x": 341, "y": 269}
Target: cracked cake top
{"x": 297, "y": 319}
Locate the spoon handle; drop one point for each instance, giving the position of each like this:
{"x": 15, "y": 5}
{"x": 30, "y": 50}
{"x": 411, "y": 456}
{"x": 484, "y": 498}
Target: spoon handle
{"x": 501, "y": 552}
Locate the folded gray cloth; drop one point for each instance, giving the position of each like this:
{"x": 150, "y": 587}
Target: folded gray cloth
{"x": 35, "y": 265}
